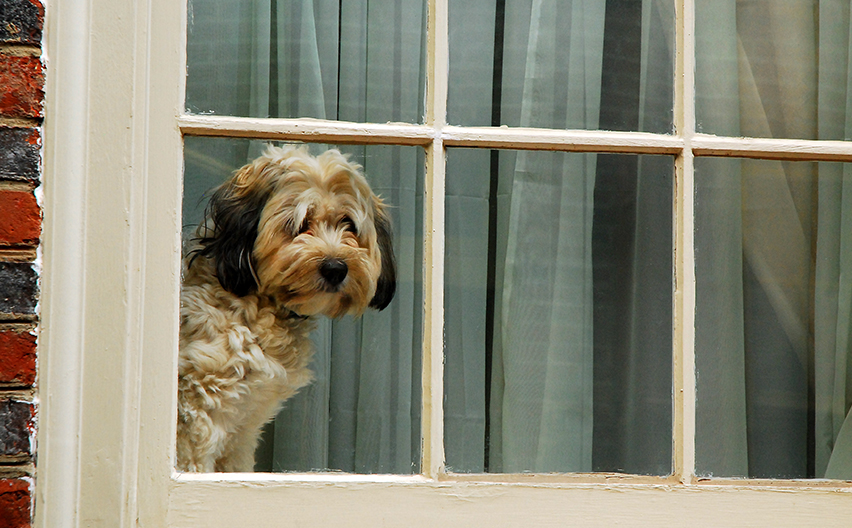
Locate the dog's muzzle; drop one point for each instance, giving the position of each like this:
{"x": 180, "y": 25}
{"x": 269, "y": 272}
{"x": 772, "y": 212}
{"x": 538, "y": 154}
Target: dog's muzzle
{"x": 333, "y": 271}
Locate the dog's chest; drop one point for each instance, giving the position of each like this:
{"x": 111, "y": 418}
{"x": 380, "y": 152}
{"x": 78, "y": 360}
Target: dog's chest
{"x": 229, "y": 349}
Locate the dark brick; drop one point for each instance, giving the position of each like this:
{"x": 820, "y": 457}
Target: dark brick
{"x": 18, "y": 288}
{"x": 21, "y": 87}
{"x": 17, "y": 357}
{"x": 20, "y": 218}
{"x": 19, "y": 154}
{"x": 21, "y": 21}
{"x": 15, "y": 503}
{"x": 17, "y": 425}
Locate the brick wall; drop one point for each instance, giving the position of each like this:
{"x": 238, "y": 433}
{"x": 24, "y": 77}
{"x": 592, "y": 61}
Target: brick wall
{"x": 21, "y": 113}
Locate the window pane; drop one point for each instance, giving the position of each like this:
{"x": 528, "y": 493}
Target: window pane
{"x": 773, "y": 319}
{"x": 773, "y": 68}
{"x": 362, "y": 411}
{"x": 558, "y": 312}
{"x": 358, "y": 60}
{"x": 577, "y": 64}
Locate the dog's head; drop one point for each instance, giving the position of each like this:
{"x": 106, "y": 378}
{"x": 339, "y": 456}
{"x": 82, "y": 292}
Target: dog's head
{"x": 305, "y": 230}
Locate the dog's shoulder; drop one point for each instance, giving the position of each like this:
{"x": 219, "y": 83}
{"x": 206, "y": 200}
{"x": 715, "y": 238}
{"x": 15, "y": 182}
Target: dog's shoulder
{"x": 230, "y": 327}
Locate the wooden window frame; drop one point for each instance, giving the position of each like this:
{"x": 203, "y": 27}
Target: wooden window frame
{"x": 108, "y": 344}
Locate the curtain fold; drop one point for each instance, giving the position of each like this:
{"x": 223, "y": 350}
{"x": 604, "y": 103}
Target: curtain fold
{"x": 547, "y": 346}
{"x": 772, "y": 336}
{"x": 547, "y": 391}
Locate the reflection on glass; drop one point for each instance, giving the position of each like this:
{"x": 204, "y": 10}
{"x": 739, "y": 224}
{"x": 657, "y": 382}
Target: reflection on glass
{"x": 773, "y": 68}
{"x": 558, "y": 307}
{"x": 358, "y": 60}
{"x": 773, "y": 261}
{"x": 362, "y": 412}
{"x": 575, "y": 64}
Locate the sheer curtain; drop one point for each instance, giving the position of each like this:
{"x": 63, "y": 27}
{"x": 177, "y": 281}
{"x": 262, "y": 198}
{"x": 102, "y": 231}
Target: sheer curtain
{"x": 576, "y": 360}
{"x": 772, "y": 242}
{"x": 542, "y": 390}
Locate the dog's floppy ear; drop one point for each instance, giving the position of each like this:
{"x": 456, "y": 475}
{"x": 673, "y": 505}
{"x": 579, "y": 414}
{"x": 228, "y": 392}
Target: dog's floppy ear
{"x": 232, "y": 217}
{"x": 386, "y": 285}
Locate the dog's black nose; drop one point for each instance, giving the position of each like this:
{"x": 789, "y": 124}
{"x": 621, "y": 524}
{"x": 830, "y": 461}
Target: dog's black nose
{"x": 333, "y": 271}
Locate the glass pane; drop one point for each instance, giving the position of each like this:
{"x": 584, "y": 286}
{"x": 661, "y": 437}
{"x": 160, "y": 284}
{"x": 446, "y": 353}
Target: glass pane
{"x": 558, "y": 306}
{"x": 358, "y": 60}
{"x": 773, "y": 68}
{"x": 361, "y": 413}
{"x": 773, "y": 321}
{"x": 575, "y": 64}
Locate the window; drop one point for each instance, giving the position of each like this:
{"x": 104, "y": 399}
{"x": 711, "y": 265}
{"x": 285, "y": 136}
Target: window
{"x": 111, "y": 265}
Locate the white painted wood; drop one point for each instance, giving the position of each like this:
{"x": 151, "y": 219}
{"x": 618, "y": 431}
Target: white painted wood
{"x": 684, "y": 288}
{"x": 108, "y": 343}
{"x": 86, "y": 471}
{"x": 326, "y": 131}
{"x": 476, "y": 505}
{"x": 433, "y": 331}
{"x": 768, "y": 148}
{"x": 109, "y": 307}
{"x": 64, "y": 272}
{"x": 437, "y": 63}
{"x": 432, "y": 413}
{"x": 564, "y": 140}
{"x": 306, "y": 129}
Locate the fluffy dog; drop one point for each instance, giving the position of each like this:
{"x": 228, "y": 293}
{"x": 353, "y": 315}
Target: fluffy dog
{"x": 288, "y": 237}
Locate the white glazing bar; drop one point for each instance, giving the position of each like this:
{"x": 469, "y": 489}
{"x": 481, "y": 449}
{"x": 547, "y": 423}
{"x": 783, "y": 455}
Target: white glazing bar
{"x": 562, "y": 140}
{"x": 684, "y": 330}
{"x": 433, "y": 271}
{"x": 306, "y": 129}
{"x": 768, "y": 148}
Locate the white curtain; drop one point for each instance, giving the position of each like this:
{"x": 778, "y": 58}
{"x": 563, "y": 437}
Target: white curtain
{"x": 542, "y": 392}
{"x": 772, "y": 242}
{"x": 547, "y": 406}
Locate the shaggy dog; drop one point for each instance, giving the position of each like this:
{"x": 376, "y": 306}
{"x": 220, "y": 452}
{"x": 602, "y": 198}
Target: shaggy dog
{"x": 288, "y": 237}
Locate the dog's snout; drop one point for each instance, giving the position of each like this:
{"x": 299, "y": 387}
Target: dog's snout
{"x": 333, "y": 271}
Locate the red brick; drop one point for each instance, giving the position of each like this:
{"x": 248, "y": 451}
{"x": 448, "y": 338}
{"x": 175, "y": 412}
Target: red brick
{"x": 21, "y": 87}
{"x": 17, "y": 357}
{"x": 15, "y": 503}
{"x": 20, "y": 218}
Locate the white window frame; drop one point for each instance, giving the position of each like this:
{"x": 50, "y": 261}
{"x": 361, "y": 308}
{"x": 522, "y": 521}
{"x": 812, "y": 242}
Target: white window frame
{"x": 108, "y": 343}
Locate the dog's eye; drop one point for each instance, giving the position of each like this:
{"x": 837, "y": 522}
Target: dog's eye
{"x": 304, "y": 226}
{"x": 349, "y": 225}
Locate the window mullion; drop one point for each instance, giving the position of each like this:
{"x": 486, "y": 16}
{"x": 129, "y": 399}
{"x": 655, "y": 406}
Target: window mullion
{"x": 684, "y": 299}
{"x": 433, "y": 272}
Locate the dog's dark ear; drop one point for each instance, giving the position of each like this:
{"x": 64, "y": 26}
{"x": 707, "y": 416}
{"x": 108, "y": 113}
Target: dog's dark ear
{"x": 232, "y": 218}
{"x": 386, "y": 285}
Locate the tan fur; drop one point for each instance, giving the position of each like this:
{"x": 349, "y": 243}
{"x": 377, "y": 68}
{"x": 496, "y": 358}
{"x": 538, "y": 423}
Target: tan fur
{"x": 241, "y": 356}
